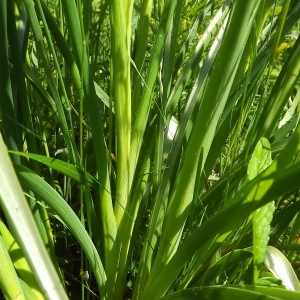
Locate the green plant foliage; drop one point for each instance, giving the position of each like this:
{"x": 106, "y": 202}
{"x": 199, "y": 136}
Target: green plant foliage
{"x": 261, "y": 218}
{"x": 151, "y": 148}
{"x": 281, "y": 268}
{"x": 233, "y": 292}
{"x": 9, "y": 280}
{"x": 20, "y": 263}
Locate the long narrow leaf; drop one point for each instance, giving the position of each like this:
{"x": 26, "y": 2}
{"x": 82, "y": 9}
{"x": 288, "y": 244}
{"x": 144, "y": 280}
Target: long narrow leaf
{"x": 20, "y": 219}
{"x": 36, "y": 184}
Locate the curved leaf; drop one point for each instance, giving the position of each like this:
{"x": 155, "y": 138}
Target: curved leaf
{"x": 63, "y": 167}
{"x": 20, "y": 261}
{"x": 279, "y": 265}
{"x": 21, "y": 222}
{"x": 35, "y": 183}
{"x": 9, "y": 280}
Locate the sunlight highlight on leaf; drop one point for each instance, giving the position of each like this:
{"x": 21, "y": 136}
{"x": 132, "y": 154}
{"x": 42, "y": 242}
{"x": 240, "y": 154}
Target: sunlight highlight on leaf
{"x": 279, "y": 265}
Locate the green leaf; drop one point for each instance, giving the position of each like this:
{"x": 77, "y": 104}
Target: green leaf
{"x": 261, "y": 218}
{"x": 22, "y": 224}
{"x": 269, "y": 281}
{"x": 19, "y": 261}
{"x": 62, "y": 167}
{"x": 261, "y": 158}
{"x": 281, "y": 268}
{"x": 35, "y": 183}
{"x": 231, "y": 259}
{"x": 9, "y": 281}
{"x": 218, "y": 293}
{"x": 237, "y": 292}
{"x": 275, "y": 292}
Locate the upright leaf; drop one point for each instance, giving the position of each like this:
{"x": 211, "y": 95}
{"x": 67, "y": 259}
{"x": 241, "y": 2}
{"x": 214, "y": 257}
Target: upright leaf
{"x": 262, "y": 217}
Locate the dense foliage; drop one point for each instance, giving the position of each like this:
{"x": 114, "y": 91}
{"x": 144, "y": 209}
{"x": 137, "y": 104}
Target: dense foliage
{"x": 149, "y": 149}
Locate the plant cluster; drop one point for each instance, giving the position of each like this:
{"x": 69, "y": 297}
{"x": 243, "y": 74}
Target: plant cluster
{"x": 149, "y": 149}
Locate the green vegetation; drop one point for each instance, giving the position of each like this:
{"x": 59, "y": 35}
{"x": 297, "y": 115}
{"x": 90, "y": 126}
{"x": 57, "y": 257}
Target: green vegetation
{"x": 100, "y": 199}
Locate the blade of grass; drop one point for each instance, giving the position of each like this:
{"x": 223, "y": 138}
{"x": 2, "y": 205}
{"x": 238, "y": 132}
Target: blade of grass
{"x": 94, "y": 115}
{"x": 36, "y": 184}
{"x": 21, "y": 222}
{"x": 233, "y": 292}
{"x": 18, "y": 76}
{"x": 19, "y": 261}
{"x": 10, "y": 130}
{"x": 62, "y": 167}
{"x": 56, "y": 97}
{"x": 145, "y": 102}
{"x": 281, "y": 268}
{"x": 282, "y": 89}
{"x": 9, "y": 280}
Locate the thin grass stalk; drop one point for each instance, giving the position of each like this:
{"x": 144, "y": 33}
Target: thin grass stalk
{"x": 145, "y": 102}
{"x": 20, "y": 86}
{"x": 170, "y": 53}
{"x": 94, "y": 115}
{"x": 23, "y": 30}
{"x": 282, "y": 89}
{"x": 144, "y": 107}
{"x": 63, "y": 47}
{"x": 41, "y": 49}
{"x": 194, "y": 60}
{"x": 166, "y": 72}
{"x": 21, "y": 105}
{"x": 191, "y": 36}
{"x": 278, "y": 33}
{"x": 165, "y": 79}
{"x": 8, "y": 112}
{"x": 84, "y": 33}
{"x": 102, "y": 16}
{"x": 63, "y": 110}
{"x": 63, "y": 114}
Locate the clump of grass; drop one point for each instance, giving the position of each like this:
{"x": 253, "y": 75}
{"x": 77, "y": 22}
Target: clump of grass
{"x": 124, "y": 210}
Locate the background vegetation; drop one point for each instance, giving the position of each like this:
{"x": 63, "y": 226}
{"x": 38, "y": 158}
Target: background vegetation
{"x": 149, "y": 149}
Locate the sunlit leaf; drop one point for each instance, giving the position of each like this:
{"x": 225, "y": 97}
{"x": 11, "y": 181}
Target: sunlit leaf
{"x": 279, "y": 265}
